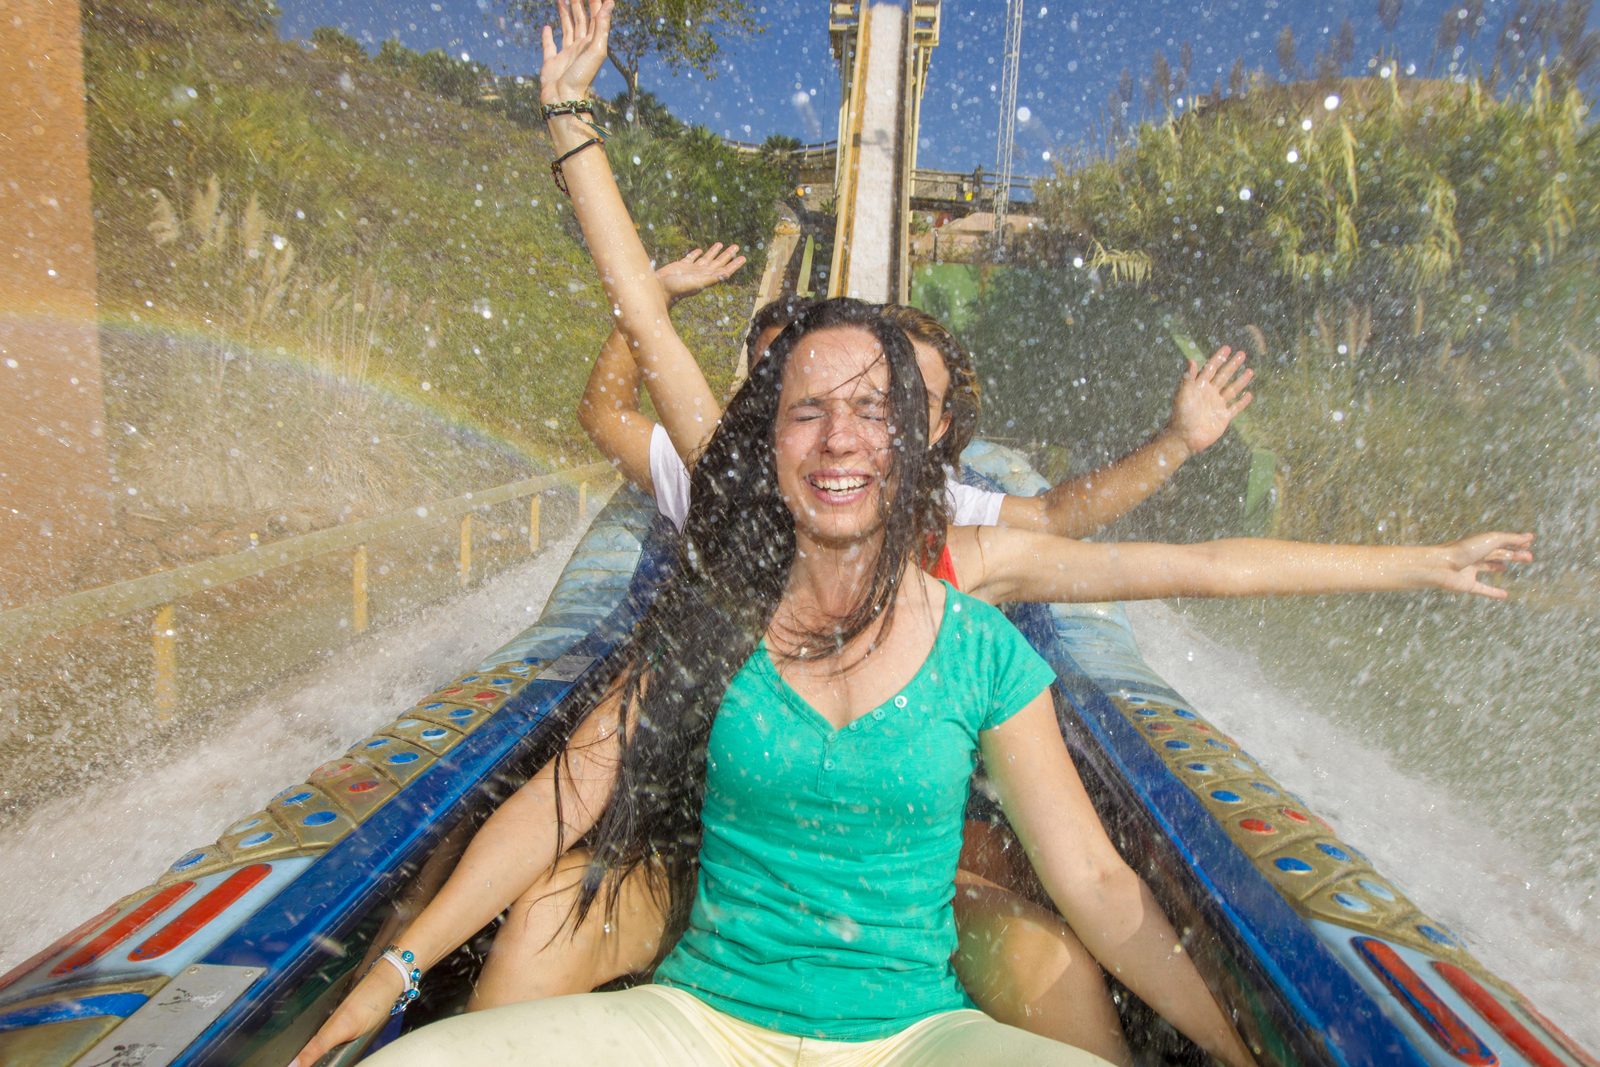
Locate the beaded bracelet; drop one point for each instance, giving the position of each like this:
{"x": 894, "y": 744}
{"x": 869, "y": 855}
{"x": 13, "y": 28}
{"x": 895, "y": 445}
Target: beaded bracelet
{"x": 567, "y": 107}
{"x": 555, "y": 168}
{"x": 402, "y": 960}
{"x": 577, "y": 109}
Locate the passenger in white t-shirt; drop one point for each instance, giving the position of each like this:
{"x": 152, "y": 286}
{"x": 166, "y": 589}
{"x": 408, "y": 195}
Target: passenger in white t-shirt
{"x": 652, "y": 455}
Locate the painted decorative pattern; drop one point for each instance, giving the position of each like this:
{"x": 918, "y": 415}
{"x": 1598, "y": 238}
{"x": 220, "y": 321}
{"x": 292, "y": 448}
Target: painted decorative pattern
{"x": 343, "y": 793}
{"x": 1298, "y": 852}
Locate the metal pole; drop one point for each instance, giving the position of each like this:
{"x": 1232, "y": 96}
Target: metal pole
{"x": 465, "y": 567}
{"x": 358, "y": 589}
{"x": 164, "y": 645}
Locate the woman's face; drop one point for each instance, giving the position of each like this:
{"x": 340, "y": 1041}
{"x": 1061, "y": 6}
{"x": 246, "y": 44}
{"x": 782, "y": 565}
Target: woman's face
{"x": 832, "y": 439}
{"x": 935, "y": 378}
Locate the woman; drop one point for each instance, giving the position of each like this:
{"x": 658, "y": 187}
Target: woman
{"x": 799, "y": 668}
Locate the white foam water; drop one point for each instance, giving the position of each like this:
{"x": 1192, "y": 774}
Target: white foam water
{"x": 1525, "y": 921}
{"x": 69, "y": 858}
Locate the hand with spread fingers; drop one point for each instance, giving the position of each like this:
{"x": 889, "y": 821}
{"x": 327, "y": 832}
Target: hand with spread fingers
{"x": 569, "y": 71}
{"x": 699, "y": 271}
{"x": 1208, "y": 399}
{"x": 1465, "y": 559}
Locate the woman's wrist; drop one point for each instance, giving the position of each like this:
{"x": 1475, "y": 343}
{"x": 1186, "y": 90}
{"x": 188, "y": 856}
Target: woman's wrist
{"x": 551, "y": 95}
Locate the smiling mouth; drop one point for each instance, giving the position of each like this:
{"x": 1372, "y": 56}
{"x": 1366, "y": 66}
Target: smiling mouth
{"x": 837, "y": 486}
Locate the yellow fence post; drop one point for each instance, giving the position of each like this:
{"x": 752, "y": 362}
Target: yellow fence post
{"x": 466, "y": 549}
{"x": 164, "y": 642}
{"x": 358, "y": 589}
{"x": 583, "y": 499}
{"x": 533, "y": 523}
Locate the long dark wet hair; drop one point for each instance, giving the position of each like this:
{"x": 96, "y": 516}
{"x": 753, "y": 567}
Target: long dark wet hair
{"x": 734, "y": 560}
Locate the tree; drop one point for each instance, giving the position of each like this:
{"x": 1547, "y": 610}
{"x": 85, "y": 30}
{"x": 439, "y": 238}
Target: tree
{"x": 1159, "y": 88}
{"x": 1238, "y": 80}
{"x": 1389, "y": 14}
{"x": 1285, "y": 50}
{"x": 1344, "y": 45}
{"x": 682, "y": 34}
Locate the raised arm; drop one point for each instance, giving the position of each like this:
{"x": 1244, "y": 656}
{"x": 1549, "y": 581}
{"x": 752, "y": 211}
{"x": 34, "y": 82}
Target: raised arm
{"x": 1000, "y": 565}
{"x": 1207, "y": 399}
{"x": 638, "y": 301}
{"x": 513, "y": 848}
{"x": 609, "y": 411}
{"x": 1107, "y": 905}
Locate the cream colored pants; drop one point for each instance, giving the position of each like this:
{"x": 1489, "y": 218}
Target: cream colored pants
{"x": 655, "y": 1026}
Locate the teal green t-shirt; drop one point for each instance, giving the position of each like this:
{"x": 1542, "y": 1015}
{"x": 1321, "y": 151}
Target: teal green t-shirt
{"x": 828, "y": 861}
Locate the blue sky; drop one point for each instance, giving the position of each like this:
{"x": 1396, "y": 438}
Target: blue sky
{"x": 785, "y": 81}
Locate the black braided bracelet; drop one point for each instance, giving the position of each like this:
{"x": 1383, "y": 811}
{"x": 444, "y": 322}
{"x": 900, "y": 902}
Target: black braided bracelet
{"x": 555, "y": 168}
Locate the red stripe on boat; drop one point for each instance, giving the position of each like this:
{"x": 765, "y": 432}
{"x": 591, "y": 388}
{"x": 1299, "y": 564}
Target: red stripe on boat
{"x": 1436, "y": 1017}
{"x": 1507, "y": 1025}
{"x": 201, "y": 912}
{"x": 59, "y": 946}
{"x": 122, "y": 929}
{"x": 1559, "y": 1036}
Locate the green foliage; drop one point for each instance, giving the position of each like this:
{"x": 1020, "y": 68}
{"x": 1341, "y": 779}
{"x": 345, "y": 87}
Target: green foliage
{"x": 688, "y": 188}
{"x": 1390, "y": 207}
{"x": 454, "y": 79}
{"x": 336, "y": 44}
{"x": 277, "y": 199}
{"x": 1412, "y": 271}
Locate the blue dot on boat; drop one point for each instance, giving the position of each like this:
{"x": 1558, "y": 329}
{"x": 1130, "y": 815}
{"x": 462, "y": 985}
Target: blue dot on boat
{"x": 435, "y": 733}
{"x": 1199, "y": 768}
{"x": 1377, "y": 889}
{"x": 297, "y": 798}
{"x": 1350, "y": 903}
{"x": 1227, "y": 796}
{"x": 1291, "y": 865}
{"x": 1434, "y": 934}
{"x": 404, "y": 757}
{"x": 1335, "y": 851}
{"x": 1177, "y": 746}
{"x": 190, "y": 860}
{"x": 1184, "y": 713}
{"x": 257, "y": 839}
{"x": 319, "y": 818}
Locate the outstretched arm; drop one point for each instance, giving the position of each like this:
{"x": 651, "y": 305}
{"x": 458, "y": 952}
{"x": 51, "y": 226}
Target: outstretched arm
{"x": 1001, "y": 565}
{"x": 639, "y": 303}
{"x": 1107, "y": 905}
{"x": 513, "y": 848}
{"x": 609, "y": 411}
{"x": 1207, "y": 399}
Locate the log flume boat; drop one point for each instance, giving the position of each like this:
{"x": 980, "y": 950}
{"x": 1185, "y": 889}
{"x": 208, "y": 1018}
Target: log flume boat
{"x": 237, "y": 952}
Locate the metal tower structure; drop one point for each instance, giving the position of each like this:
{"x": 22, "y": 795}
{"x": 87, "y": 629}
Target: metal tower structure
{"x": 1004, "y": 152}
